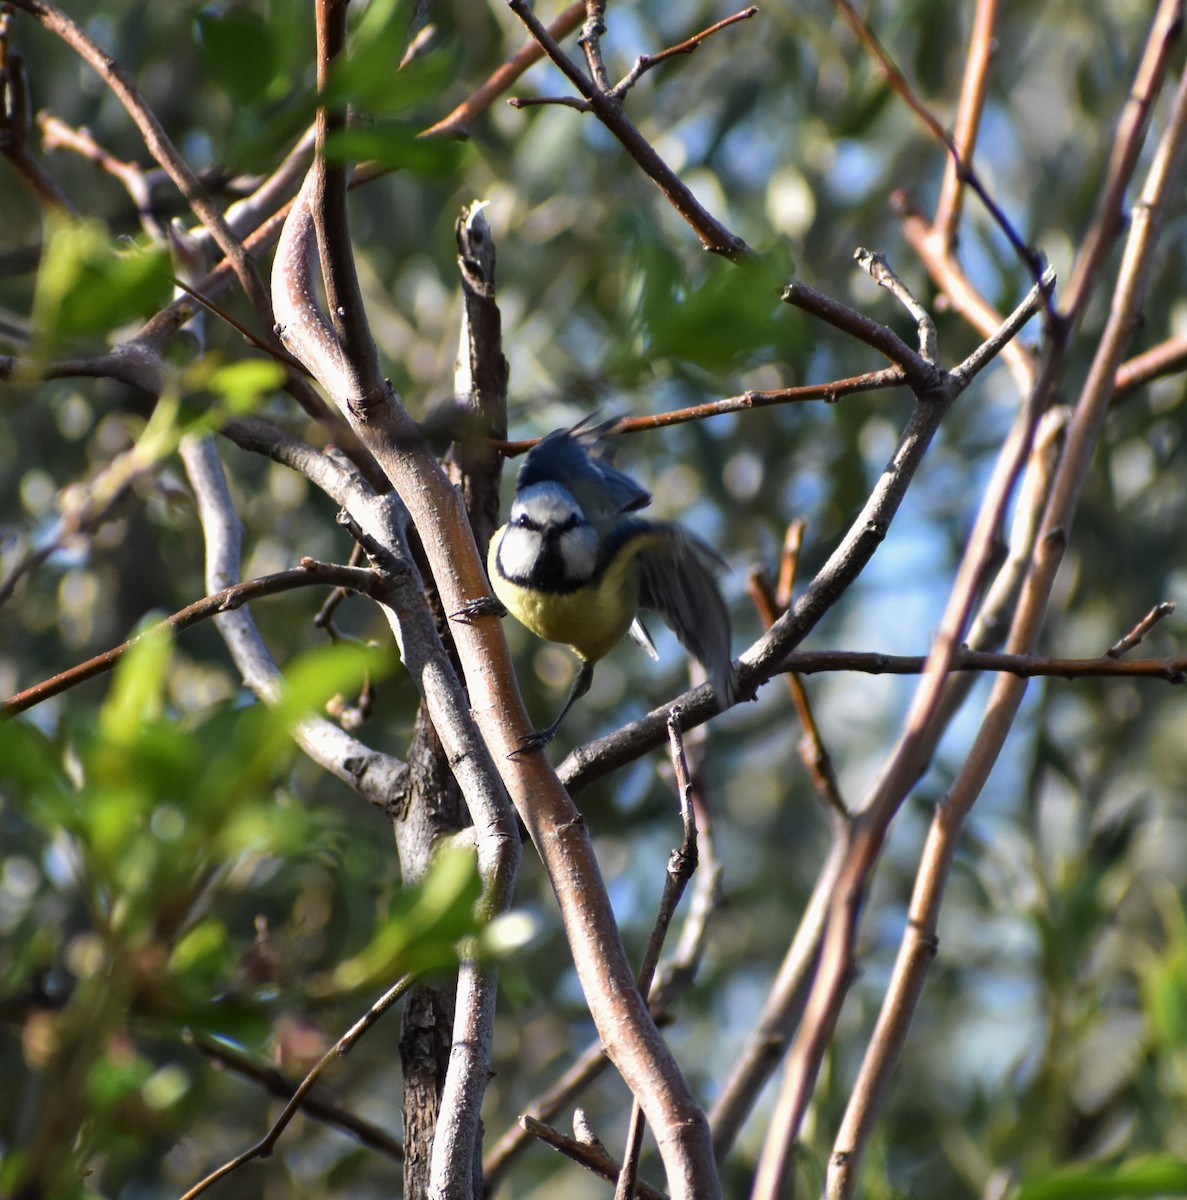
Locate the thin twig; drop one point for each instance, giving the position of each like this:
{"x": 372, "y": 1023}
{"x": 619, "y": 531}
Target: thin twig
{"x": 974, "y": 87}
{"x": 813, "y": 753}
{"x": 343, "y": 1046}
{"x": 714, "y": 236}
{"x": 1127, "y": 146}
{"x": 645, "y": 62}
{"x": 917, "y": 371}
{"x": 1168, "y": 358}
{"x": 898, "y": 81}
{"x": 681, "y": 866}
{"x": 940, "y": 259}
{"x": 276, "y": 1084}
{"x": 461, "y": 120}
{"x": 830, "y": 393}
{"x": 57, "y": 135}
{"x": 880, "y": 272}
{"x": 1135, "y": 636}
{"x": 591, "y": 1155}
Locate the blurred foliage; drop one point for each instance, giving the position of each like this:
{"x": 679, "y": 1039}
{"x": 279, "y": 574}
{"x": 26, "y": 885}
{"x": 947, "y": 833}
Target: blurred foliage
{"x": 166, "y": 860}
{"x": 162, "y": 878}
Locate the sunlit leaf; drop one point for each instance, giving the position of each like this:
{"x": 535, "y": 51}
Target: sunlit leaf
{"x": 1144, "y": 1177}
{"x": 137, "y": 693}
{"x": 90, "y": 283}
{"x": 244, "y": 385}
{"x": 421, "y": 932}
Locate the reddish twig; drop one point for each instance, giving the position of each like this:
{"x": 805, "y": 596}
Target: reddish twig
{"x": 812, "y": 750}
{"x": 973, "y": 90}
{"x": 1135, "y": 636}
{"x": 645, "y": 62}
{"x": 964, "y": 169}
{"x": 1168, "y": 358}
{"x": 310, "y": 573}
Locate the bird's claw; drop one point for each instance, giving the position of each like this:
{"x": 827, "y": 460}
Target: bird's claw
{"x": 483, "y": 606}
{"x": 534, "y": 741}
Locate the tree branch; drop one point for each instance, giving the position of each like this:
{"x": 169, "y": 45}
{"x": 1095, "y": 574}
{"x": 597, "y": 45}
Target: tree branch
{"x": 607, "y": 107}
{"x": 619, "y": 1012}
{"x": 1083, "y": 432}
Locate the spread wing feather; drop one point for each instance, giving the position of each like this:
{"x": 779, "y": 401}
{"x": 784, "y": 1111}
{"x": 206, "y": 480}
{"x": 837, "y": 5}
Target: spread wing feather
{"x": 677, "y": 579}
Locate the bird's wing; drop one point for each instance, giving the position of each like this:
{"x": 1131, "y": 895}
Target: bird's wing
{"x": 677, "y": 578}
{"x": 565, "y": 457}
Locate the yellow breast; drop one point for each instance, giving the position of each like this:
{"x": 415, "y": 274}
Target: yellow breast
{"x": 591, "y": 620}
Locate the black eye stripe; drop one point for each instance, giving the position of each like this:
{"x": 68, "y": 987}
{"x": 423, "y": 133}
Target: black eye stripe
{"x": 548, "y": 528}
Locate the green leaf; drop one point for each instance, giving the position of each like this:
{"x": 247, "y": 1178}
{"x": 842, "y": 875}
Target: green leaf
{"x": 113, "y": 1078}
{"x": 397, "y": 145}
{"x": 721, "y": 316}
{"x": 421, "y": 932}
{"x": 243, "y": 386}
{"x": 1162, "y": 1176}
{"x": 89, "y": 284}
{"x": 237, "y": 51}
{"x": 137, "y": 695}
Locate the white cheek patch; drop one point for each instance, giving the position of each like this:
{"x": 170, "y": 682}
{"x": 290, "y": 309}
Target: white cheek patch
{"x": 519, "y": 551}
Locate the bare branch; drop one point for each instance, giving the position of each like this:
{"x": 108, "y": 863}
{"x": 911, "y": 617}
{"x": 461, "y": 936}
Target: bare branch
{"x": 608, "y": 109}
{"x": 898, "y": 81}
{"x": 1127, "y": 145}
{"x": 1083, "y": 432}
{"x": 973, "y": 90}
{"x": 309, "y": 574}
{"x": 1135, "y": 636}
{"x": 591, "y": 1155}
{"x": 815, "y": 757}
{"x": 883, "y": 276}
{"x": 1169, "y": 358}
{"x": 370, "y": 773}
{"x": 57, "y": 135}
{"x": 917, "y": 371}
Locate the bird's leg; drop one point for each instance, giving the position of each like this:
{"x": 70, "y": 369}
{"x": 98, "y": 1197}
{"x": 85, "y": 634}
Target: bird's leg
{"x": 541, "y": 738}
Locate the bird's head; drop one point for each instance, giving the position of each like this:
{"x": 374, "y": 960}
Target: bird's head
{"x": 547, "y": 543}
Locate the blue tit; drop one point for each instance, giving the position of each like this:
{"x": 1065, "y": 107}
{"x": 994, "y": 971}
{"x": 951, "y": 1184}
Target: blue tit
{"x": 574, "y": 566}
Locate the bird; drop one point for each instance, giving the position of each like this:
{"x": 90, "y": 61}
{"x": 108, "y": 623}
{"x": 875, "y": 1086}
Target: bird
{"x": 575, "y": 565}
